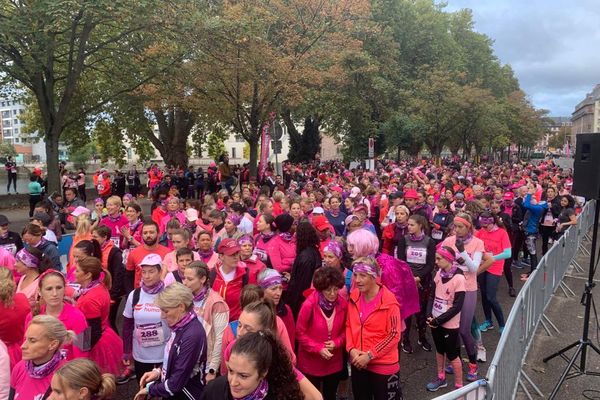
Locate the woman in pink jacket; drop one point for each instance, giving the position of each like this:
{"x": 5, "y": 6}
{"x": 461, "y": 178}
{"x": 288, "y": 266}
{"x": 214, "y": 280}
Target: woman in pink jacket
{"x": 321, "y": 332}
{"x": 282, "y": 248}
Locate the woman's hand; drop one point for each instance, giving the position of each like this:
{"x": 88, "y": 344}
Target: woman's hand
{"x": 329, "y": 345}
{"x": 361, "y": 360}
{"x": 209, "y": 377}
{"x": 142, "y": 393}
{"x": 149, "y": 377}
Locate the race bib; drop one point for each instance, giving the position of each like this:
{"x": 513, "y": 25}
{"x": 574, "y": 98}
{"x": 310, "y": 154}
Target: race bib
{"x": 416, "y": 255}
{"x": 150, "y": 335}
{"x": 13, "y": 170}
{"x": 437, "y": 234}
{"x": 548, "y": 219}
{"x": 440, "y": 306}
{"x": 116, "y": 240}
{"x": 11, "y": 248}
{"x": 261, "y": 254}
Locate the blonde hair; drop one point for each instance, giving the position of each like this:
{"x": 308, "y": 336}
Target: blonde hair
{"x": 83, "y": 373}
{"x": 116, "y": 200}
{"x": 174, "y": 295}
{"x": 278, "y": 195}
{"x": 55, "y": 329}
{"x": 7, "y": 286}
{"x": 83, "y": 225}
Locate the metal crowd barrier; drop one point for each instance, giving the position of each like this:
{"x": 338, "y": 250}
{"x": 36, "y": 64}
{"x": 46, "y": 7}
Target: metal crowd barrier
{"x": 505, "y": 374}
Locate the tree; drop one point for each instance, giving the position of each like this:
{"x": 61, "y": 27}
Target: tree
{"x": 7, "y": 150}
{"x": 75, "y": 56}
{"x": 402, "y": 133}
{"x": 214, "y": 143}
{"x": 254, "y": 54}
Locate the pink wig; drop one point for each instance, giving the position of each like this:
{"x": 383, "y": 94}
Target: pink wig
{"x": 364, "y": 243}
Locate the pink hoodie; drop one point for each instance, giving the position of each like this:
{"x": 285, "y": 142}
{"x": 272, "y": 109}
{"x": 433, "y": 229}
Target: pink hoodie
{"x": 312, "y": 332}
{"x": 282, "y": 253}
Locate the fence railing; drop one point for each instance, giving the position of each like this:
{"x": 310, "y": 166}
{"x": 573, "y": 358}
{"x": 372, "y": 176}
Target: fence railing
{"x": 505, "y": 374}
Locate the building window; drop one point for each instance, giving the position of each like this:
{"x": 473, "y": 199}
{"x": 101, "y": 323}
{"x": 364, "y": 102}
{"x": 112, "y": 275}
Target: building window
{"x": 17, "y": 140}
{"x": 233, "y": 155}
{"x": 239, "y": 138}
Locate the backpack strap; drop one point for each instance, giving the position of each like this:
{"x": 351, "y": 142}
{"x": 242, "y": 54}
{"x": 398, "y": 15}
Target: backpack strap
{"x": 177, "y": 277}
{"x": 246, "y": 277}
{"x": 233, "y": 325}
{"x": 212, "y": 275}
{"x": 136, "y": 297}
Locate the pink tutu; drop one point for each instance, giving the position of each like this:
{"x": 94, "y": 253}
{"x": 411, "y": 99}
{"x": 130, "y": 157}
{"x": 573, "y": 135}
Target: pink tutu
{"x": 108, "y": 352}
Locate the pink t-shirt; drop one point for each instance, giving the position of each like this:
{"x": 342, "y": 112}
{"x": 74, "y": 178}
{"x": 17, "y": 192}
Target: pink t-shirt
{"x": 444, "y": 298}
{"x": 367, "y": 307}
{"x": 26, "y": 387}
{"x": 475, "y": 245}
{"x": 170, "y": 261}
{"x": 495, "y": 243}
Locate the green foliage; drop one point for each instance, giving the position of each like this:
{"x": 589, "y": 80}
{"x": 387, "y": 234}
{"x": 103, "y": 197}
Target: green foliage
{"x": 215, "y": 143}
{"x": 82, "y": 155}
{"x": 7, "y": 149}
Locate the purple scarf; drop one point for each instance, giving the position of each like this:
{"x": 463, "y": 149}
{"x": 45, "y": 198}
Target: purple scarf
{"x": 259, "y": 393}
{"x": 267, "y": 236}
{"x": 287, "y": 236}
{"x": 416, "y": 238}
{"x": 42, "y": 371}
{"x": 206, "y": 254}
{"x": 154, "y": 289}
{"x": 133, "y": 227}
{"x": 326, "y": 305}
{"x": 450, "y": 273}
{"x": 465, "y": 239}
{"x": 202, "y": 294}
{"x": 91, "y": 285}
{"x": 114, "y": 219}
{"x": 189, "y": 316}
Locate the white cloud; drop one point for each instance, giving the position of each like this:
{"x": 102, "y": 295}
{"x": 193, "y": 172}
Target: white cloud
{"x": 551, "y": 45}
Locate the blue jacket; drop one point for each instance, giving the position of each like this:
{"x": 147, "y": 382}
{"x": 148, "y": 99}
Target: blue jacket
{"x": 185, "y": 365}
{"x": 533, "y": 215}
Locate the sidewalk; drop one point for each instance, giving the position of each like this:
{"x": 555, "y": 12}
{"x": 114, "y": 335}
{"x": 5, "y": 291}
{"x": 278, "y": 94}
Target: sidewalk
{"x": 567, "y": 314}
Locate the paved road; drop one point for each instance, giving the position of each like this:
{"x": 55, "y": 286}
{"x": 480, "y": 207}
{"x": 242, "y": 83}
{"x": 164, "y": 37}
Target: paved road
{"x": 416, "y": 369}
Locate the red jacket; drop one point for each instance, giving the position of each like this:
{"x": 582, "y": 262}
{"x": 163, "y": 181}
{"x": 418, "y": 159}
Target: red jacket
{"x": 232, "y": 290}
{"x": 379, "y": 334}
{"x": 312, "y": 333}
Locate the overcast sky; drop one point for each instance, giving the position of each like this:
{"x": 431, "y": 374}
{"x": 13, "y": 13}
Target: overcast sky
{"x": 552, "y": 45}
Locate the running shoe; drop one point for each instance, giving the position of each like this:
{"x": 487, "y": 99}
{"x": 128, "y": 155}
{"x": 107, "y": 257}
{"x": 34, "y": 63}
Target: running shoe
{"x": 512, "y": 292}
{"x": 486, "y": 326}
{"x": 128, "y": 375}
{"x": 500, "y": 330}
{"x": 481, "y": 353}
{"x": 518, "y": 265}
{"x": 449, "y": 369}
{"x": 436, "y": 384}
{"x": 424, "y": 344}
{"x": 407, "y": 347}
{"x": 472, "y": 374}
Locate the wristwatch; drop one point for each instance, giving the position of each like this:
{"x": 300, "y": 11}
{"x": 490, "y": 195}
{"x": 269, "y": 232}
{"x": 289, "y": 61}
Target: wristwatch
{"x": 212, "y": 371}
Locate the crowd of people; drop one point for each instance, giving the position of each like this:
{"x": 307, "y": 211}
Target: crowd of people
{"x": 308, "y": 285}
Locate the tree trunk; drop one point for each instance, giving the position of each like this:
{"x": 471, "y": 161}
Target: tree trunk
{"x": 253, "y": 158}
{"x": 52, "y": 161}
{"x": 399, "y": 152}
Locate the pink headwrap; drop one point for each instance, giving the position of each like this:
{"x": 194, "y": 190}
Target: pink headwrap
{"x": 366, "y": 269}
{"x": 335, "y": 248}
{"x": 28, "y": 259}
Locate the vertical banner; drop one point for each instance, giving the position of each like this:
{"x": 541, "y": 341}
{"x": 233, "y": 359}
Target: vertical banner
{"x": 371, "y": 147}
{"x": 265, "y": 142}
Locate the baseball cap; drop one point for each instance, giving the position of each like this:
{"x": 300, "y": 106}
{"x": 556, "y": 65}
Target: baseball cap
{"x": 349, "y": 219}
{"x": 360, "y": 208}
{"x": 459, "y": 195}
{"x": 321, "y": 223}
{"x": 80, "y": 210}
{"x": 228, "y": 247}
{"x": 411, "y": 194}
{"x": 4, "y": 220}
{"x": 318, "y": 210}
{"x": 355, "y": 191}
{"x": 191, "y": 214}
{"x": 509, "y": 196}
{"x": 151, "y": 259}
{"x": 43, "y": 217}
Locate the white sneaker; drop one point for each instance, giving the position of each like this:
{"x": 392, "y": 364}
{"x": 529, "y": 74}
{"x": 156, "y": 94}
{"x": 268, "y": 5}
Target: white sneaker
{"x": 481, "y": 353}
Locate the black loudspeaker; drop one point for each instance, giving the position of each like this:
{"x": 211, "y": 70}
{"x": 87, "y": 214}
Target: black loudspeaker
{"x": 586, "y": 171}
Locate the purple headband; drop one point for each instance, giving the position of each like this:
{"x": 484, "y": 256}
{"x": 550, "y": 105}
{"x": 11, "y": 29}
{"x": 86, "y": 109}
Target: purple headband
{"x": 99, "y": 201}
{"x": 28, "y": 259}
{"x": 128, "y": 195}
{"x": 272, "y": 280}
{"x": 366, "y": 269}
{"x": 335, "y": 248}
{"x": 234, "y": 218}
{"x": 486, "y": 220}
{"x": 246, "y": 239}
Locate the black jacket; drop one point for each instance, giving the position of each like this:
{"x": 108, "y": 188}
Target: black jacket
{"x": 12, "y": 242}
{"x": 218, "y": 389}
{"x": 305, "y": 264}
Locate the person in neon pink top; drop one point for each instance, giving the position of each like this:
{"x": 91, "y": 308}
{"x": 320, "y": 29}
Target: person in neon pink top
{"x": 115, "y": 220}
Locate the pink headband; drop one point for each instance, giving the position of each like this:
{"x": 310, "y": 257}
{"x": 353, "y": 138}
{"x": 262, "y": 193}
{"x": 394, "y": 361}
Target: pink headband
{"x": 234, "y": 218}
{"x": 464, "y": 221}
{"x": 28, "y": 259}
{"x": 271, "y": 281}
{"x": 335, "y": 248}
{"x": 99, "y": 201}
{"x": 366, "y": 269}
{"x": 446, "y": 254}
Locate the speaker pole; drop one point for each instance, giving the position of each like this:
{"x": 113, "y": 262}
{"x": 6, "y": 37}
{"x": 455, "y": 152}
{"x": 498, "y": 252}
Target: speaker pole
{"x": 582, "y": 344}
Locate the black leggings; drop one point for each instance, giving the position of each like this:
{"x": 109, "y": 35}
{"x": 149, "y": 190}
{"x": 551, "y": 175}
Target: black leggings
{"x": 367, "y": 385}
{"x": 508, "y": 272}
{"x": 446, "y": 342}
{"x": 141, "y": 368}
{"x": 518, "y": 244}
{"x": 11, "y": 178}
{"x": 33, "y": 200}
{"x": 547, "y": 232}
{"x": 421, "y": 316}
{"x": 330, "y": 384}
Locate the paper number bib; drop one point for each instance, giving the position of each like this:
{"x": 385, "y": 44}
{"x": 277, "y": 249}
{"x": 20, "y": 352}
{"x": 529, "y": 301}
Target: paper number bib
{"x": 440, "y": 306}
{"x": 150, "y": 335}
{"x": 437, "y": 234}
{"x": 416, "y": 255}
